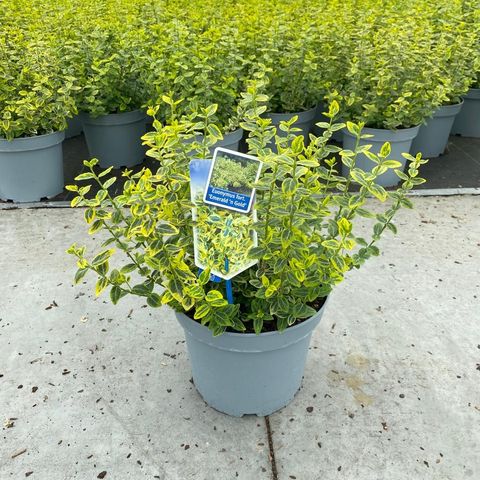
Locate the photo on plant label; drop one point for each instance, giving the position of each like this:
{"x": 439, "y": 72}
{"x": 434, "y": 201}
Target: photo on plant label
{"x": 231, "y": 180}
{"x": 222, "y": 238}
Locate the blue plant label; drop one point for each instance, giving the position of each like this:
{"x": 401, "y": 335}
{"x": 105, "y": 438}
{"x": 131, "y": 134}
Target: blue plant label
{"x": 222, "y": 238}
{"x": 231, "y": 180}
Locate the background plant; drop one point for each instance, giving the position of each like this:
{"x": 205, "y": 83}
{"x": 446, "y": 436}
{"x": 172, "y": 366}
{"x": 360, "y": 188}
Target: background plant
{"x": 395, "y": 61}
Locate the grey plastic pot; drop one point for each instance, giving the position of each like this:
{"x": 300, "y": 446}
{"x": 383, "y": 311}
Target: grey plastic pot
{"x": 230, "y": 141}
{"x": 305, "y": 122}
{"x": 239, "y": 374}
{"x": 400, "y": 142}
{"x": 432, "y": 137}
{"x": 115, "y": 139}
{"x": 75, "y": 126}
{"x": 467, "y": 122}
{"x": 31, "y": 168}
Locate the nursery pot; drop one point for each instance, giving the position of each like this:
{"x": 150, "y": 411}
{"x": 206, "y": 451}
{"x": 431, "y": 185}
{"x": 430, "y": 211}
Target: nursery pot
{"x": 400, "y": 141}
{"x": 230, "y": 141}
{"x": 467, "y": 123}
{"x": 31, "y": 168}
{"x": 74, "y": 126}
{"x": 432, "y": 137}
{"x": 115, "y": 139}
{"x": 305, "y": 122}
{"x": 242, "y": 373}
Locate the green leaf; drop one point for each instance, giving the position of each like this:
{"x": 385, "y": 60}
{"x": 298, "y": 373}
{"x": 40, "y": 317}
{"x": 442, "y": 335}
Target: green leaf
{"x": 257, "y": 325}
{"x": 392, "y": 164}
{"x": 298, "y": 145}
{"x": 166, "y": 229}
{"x": 353, "y": 129}
{"x": 102, "y": 257}
{"x": 142, "y": 290}
{"x": 195, "y": 291}
{"x": 331, "y": 244}
{"x": 289, "y": 185}
{"x": 89, "y": 215}
{"x": 385, "y": 150}
{"x": 116, "y": 293}
{"x": 109, "y": 183}
{"x": 128, "y": 268}
{"x": 100, "y": 286}
{"x": 215, "y": 299}
{"x": 80, "y": 274}
{"x": 154, "y": 300}
{"x": 84, "y": 176}
{"x": 201, "y": 311}
{"x": 378, "y": 191}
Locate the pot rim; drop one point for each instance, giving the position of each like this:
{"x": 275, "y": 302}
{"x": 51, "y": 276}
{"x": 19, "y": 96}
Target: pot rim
{"x": 449, "y": 110}
{"x": 250, "y": 342}
{"x": 399, "y": 135}
{"x": 472, "y": 94}
{"x": 303, "y": 116}
{"x": 113, "y": 119}
{"x": 35, "y": 142}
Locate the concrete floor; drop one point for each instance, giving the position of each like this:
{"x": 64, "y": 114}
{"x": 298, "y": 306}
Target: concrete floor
{"x": 391, "y": 389}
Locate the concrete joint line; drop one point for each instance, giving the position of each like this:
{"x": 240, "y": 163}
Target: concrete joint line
{"x": 273, "y": 462}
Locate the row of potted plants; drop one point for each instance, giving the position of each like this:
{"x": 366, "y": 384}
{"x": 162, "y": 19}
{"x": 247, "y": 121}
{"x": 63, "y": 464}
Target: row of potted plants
{"x": 392, "y": 65}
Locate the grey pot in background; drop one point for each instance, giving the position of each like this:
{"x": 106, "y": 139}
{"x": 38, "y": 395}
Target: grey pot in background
{"x": 31, "y": 168}
{"x": 239, "y": 374}
{"x": 400, "y": 141}
{"x": 116, "y": 139}
{"x": 230, "y": 141}
{"x": 75, "y": 126}
{"x": 467, "y": 123}
{"x": 305, "y": 122}
{"x": 432, "y": 138}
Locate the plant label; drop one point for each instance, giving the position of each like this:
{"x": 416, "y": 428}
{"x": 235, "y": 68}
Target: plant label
{"x": 231, "y": 180}
{"x": 221, "y": 237}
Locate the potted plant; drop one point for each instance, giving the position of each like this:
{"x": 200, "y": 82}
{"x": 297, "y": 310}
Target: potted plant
{"x": 389, "y": 89}
{"x": 35, "y": 100}
{"x": 467, "y": 122}
{"x": 306, "y": 244}
{"x": 452, "y": 69}
{"x": 113, "y": 94}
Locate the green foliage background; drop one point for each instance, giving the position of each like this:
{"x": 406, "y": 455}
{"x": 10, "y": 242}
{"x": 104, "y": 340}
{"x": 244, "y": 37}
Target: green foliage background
{"x": 389, "y": 62}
